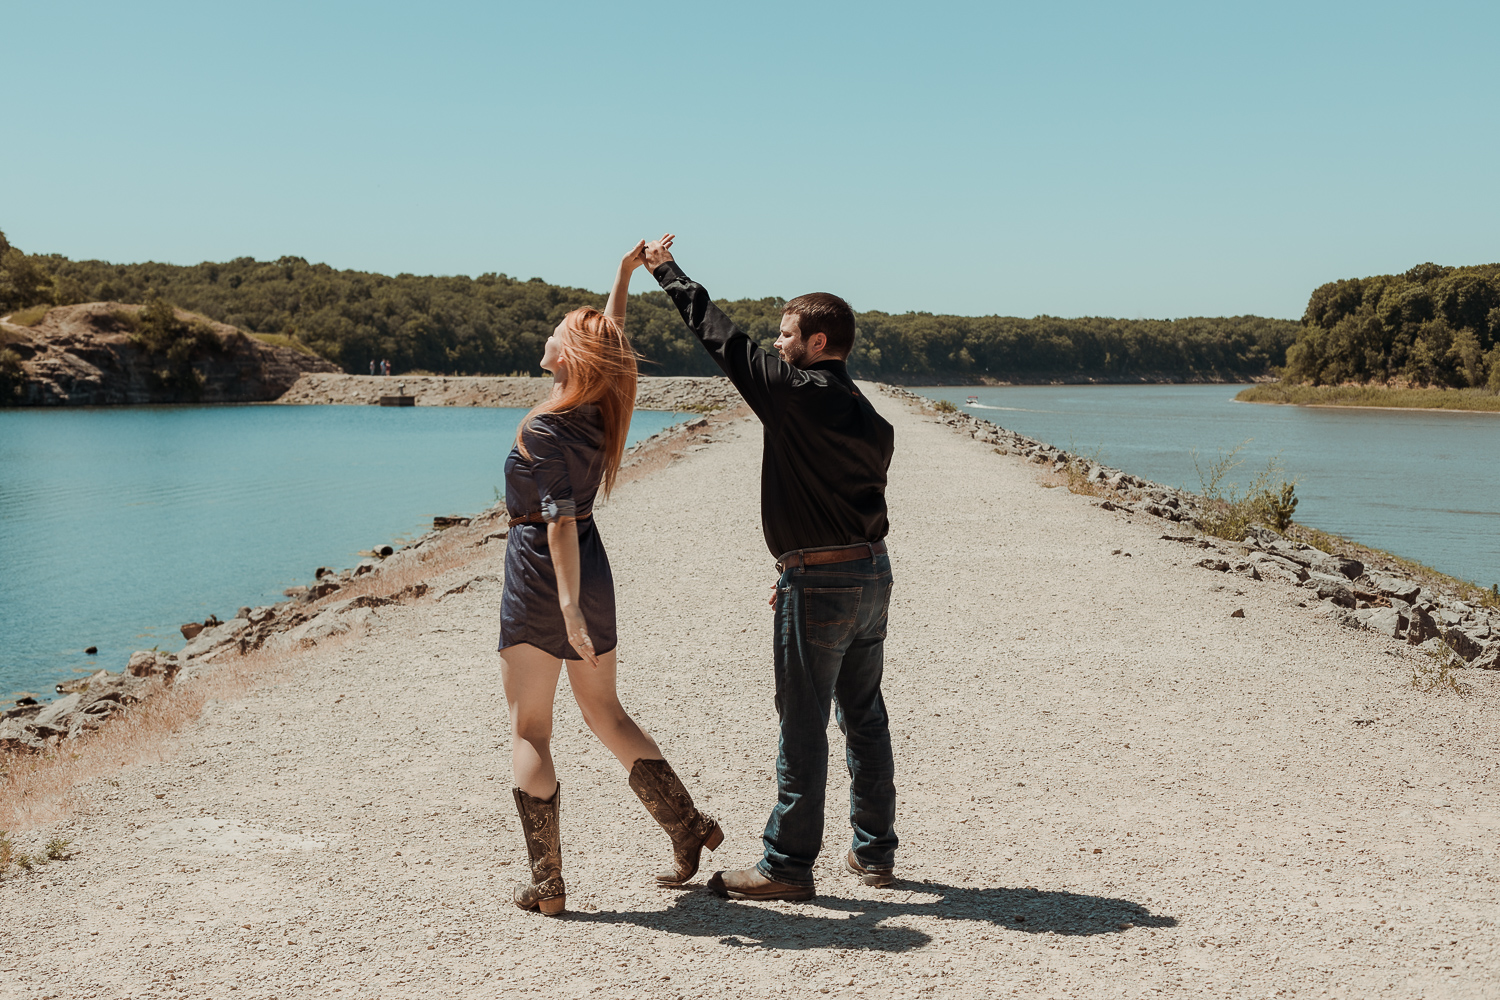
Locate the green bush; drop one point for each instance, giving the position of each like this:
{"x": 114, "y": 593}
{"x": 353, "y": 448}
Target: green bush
{"x": 12, "y": 376}
{"x": 1271, "y": 498}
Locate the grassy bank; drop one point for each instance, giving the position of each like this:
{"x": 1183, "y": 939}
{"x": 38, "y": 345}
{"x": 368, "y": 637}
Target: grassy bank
{"x": 1372, "y": 395}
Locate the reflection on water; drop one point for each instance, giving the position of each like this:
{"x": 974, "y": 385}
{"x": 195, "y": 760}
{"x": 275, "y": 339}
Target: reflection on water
{"x": 1422, "y": 484}
{"x": 119, "y": 524}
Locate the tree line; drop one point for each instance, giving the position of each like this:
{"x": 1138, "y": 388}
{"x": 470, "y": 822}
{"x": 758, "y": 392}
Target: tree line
{"x": 1430, "y": 326}
{"x": 495, "y": 324}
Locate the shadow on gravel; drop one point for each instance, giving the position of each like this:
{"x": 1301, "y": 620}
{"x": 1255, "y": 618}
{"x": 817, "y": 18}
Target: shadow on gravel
{"x": 859, "y": 921}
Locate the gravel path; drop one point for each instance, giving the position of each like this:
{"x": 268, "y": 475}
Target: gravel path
{"x": 1109, "y": 786}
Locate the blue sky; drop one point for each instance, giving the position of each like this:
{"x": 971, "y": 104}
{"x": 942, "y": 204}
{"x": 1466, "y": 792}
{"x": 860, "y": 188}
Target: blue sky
{"x": 1146, "y": 159}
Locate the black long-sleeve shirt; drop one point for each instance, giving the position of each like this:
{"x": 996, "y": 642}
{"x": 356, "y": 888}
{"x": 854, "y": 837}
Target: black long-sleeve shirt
{"x": 823, "y": 469}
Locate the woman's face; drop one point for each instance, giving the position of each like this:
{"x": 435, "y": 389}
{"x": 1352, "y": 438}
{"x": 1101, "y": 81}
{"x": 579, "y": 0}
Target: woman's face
{"x": 552, "y": 354}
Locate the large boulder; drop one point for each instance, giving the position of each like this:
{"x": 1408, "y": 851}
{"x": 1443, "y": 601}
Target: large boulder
{"x": 151, "y": 663}
{"x": 1461, "y": 643}
{"x": 1392, "y": 586}
{"x": 1387, "y": 621}
{"x": 212, "y": 638}
{"x": 1277, "y": 568}
{"x": 1421, "y": 628}
{"x": 1489, "y": 659}
{"x": 1331, "y": 588}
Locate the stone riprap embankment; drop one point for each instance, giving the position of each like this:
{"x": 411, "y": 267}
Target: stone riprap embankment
{"x": 685, "y": 393}
{"x": 1371, "y": 593}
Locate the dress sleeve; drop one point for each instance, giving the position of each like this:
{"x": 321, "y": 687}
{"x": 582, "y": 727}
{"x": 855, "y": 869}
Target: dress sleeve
{"x": 549, "y": 469}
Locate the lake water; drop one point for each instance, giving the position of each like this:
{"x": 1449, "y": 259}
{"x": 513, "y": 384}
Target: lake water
{"x": 119, "y": 524}
{"x": 1424, "y": 484}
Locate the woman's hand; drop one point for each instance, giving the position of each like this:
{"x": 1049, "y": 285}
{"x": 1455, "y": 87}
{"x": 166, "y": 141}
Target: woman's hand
{"x": 578, "y": 635}
{"x": 635, "y": 258}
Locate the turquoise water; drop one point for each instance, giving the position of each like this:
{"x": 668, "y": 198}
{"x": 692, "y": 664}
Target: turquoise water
{"x": 119, "y": 524}
{"x": 1424, "y": 484}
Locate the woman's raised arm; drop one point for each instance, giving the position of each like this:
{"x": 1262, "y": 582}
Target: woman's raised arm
{"x": 620, "y": 291}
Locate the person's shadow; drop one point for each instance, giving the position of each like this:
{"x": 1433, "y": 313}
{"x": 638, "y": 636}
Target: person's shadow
{"x": 820, "y": 923}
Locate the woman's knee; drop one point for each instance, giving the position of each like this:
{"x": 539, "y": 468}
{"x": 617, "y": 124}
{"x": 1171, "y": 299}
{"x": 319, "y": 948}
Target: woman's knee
{"x": 606, "y": 718}
{"x": 532, "y": 728}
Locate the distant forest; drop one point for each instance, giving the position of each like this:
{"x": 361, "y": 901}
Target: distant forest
{"x": 1433, "y": 325}
{"x": 494, "y": 324}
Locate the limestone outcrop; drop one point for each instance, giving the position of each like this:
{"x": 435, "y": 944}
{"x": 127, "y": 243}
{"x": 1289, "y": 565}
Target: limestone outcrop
{"x": 89, "y": 355}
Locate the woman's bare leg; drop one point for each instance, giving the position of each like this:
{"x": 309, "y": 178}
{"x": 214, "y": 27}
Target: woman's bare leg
{"x": 530, "y": 679}
{"x": 594, "y": 690}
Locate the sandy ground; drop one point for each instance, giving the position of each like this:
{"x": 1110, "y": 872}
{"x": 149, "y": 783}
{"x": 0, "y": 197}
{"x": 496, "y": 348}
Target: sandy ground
{"x": 1109, "y": 787}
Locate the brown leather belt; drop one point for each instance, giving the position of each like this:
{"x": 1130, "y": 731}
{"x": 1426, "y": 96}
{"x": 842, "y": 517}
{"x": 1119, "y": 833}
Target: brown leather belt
{"x": 537, "y": 518}
{"x": 837, "y": 554}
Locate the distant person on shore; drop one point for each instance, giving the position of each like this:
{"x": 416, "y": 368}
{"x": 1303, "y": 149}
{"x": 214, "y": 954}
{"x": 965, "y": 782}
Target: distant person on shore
{"x": 559, "y": 601}
{"x": 372, "y": 366}
{"x": 385, "y": 366}
{"x": 822, "y": 507}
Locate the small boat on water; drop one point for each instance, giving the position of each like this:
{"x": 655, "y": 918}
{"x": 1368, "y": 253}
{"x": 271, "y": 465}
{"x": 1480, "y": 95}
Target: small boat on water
{"x": 971, "y": 401}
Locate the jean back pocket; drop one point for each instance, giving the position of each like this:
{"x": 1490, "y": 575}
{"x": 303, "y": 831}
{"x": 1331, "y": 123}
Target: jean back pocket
{"x": 829, "y": 615}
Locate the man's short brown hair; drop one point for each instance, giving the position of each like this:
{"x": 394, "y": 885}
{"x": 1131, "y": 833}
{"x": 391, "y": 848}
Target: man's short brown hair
{"x": 825, "y": 313}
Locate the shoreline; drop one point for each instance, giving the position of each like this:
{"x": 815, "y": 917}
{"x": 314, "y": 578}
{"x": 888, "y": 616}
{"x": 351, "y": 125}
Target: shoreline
{"x": 336, "y": 600}
{"x": 1365, "y": 406}
{"x": 680, "y": 393}
{"x": 1373, "y": 397}
{"x": 328, "y": 606}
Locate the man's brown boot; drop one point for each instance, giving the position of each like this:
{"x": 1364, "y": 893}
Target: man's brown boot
{"x": 880, "y": 876}
{"x": 749, "y": 883}
{"x": 661, "y": 792}
{"x": 545, "y": 891}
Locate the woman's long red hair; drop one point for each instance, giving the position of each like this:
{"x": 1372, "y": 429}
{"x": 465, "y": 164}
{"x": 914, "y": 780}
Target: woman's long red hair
{"x": 602, "y": 371}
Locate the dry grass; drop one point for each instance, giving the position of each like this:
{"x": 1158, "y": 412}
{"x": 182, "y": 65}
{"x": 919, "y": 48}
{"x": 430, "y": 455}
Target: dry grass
{"x": 36, "y": 789}
{"x": 1392, "y": 397}
{"x": 29, "y": 317}
{"x": 282, "y": 340}
{"x": 1440, "y": 671}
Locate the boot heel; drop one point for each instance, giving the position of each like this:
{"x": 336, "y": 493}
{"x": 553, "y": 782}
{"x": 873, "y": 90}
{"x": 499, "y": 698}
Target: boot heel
{"x": 714, "y": 839}
{"x": 553, "y": 906}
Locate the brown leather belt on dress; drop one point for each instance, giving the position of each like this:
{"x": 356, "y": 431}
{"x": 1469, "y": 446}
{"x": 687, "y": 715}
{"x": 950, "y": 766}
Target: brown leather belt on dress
{"x": 836, "y": 554}
{"x": 537, "y": 518}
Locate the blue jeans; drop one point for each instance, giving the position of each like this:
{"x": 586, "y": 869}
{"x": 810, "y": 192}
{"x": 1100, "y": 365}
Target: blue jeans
{"x": 830, "y": 647}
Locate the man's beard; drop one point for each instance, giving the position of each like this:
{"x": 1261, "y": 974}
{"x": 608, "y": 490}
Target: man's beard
{"x": 794, "y": 354}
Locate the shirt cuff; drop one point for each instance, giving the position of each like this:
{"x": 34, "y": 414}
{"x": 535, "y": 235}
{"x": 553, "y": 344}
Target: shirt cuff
{"x": 555, "y": 510}
{"x": 667, "y": 273}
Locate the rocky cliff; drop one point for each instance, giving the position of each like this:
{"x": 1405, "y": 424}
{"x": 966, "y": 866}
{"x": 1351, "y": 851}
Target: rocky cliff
{"x": 95, "y": 354}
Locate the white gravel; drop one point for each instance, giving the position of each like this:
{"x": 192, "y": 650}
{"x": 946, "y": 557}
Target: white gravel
{"x": 1109, "y": 787}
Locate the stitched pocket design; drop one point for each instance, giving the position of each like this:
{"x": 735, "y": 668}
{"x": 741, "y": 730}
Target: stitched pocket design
{"x": 829, "y": 614}
{"x": 885, "y": 614}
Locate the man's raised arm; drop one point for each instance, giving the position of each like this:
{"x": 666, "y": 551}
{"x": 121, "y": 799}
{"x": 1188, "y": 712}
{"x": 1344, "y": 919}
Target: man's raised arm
{"x": 756, "y": 373}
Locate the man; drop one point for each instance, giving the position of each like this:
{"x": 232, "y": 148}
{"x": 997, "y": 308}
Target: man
{"x": 822, "y": 503}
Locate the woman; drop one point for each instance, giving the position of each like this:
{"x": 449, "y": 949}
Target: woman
{"x": 559, "y": 603}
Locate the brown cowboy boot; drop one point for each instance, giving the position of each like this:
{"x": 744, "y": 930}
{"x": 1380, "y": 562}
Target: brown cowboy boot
{"x": 661, "y": 792}
{"x": 545, "y": 891}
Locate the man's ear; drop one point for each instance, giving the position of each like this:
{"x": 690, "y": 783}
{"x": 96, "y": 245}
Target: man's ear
{"x": 816, "y": 344}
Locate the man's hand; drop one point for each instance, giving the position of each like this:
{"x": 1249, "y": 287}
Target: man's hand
{"x": 658, "y": 252}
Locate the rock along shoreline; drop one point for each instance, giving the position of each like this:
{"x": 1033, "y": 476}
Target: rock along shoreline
{"x": 1377, "y": 595}
{"x": 1370, "y": 593}
{"x": 332, "y": 604}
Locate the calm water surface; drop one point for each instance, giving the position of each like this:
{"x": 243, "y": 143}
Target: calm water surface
{"x": 1422, "y": 484}
{"x": 119, "y": 524}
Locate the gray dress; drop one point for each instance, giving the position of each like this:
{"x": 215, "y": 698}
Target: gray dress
{"x": 560, "y": 479}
